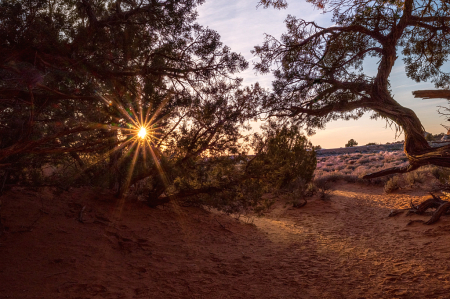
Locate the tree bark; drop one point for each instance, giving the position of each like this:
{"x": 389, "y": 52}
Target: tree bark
{"x": 416, "y": 148}
{"x": 432, "y": 94}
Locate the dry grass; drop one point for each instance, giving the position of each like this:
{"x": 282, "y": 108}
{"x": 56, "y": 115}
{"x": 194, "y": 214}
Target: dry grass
{"x": 352, "y": 167}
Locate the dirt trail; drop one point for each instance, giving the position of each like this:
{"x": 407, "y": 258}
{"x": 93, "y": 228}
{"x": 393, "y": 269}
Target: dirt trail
{"x": 343, "y": 248}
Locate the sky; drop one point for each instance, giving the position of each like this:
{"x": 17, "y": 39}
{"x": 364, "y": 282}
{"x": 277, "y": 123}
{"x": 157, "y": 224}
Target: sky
{"x": 242, "y": 25}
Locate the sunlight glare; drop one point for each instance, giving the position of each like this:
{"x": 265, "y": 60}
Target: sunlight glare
{"x": 142, "y": 133}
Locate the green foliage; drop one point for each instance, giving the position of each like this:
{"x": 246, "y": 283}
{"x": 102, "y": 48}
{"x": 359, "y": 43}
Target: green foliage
{"x": 300, "y": 192}
{"x": 75, "y": 76}
{"x": 284, "y": 163}
{"x": 282, "y": 155}
{"x": 371, "y": 143}
{"x": 278, "y": 4}
{"x": 438, "y": 137}
{"x": 351, "y": 143}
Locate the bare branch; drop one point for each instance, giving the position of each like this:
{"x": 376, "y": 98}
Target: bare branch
{"x": 432, "y": 94}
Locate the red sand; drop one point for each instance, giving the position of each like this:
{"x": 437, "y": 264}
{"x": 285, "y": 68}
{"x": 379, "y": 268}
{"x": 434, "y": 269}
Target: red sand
{"x": 343, "y": 248}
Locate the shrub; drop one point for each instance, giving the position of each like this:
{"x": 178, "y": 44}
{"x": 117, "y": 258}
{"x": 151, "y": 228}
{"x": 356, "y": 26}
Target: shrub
{"x": 300, "y": 190}
{"x": 414, "y": 177}
{"x": 391, "y": 185}
{"x": 351, "y": 178}
{"x": 389, "y": 158}
{"x": 363, "y": 161}
{"x": 284, "y": 164}
{"x": 377, "y": 181}
{"x": 323, "y": 185}
{"x": 441, "y": 173}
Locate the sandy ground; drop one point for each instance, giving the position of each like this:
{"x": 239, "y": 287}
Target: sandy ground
{"x": 346, "y": 247}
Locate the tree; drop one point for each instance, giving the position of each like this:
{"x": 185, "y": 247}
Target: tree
{"x": 351, "y": 143}
{"x": 78, "y": 78}
{"x": 319, "y": 73}
{"x": 69, "y": 53}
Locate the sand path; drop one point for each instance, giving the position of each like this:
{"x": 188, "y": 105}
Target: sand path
{"x": 343, "y": 248}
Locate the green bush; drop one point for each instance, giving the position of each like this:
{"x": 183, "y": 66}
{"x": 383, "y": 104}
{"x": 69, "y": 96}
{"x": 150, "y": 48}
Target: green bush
{"x": 284, "y": 163}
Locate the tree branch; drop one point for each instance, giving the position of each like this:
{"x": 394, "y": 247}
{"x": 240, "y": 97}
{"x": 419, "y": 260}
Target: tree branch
{"x": 333, "y": 107}
{"x": 392, "y": 170}
{"x": 432, "y": 94}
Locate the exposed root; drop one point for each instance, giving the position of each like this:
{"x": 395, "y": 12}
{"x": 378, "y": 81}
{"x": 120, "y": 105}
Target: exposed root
{"x": 435, "y": 202}
{"x": 438, "y": 213}
{"x": 431, "y": 203}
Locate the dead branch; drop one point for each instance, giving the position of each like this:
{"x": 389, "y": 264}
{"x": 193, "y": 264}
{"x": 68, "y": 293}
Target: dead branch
{"x": 435, "y": 202}
{"x": 392, "y": 170}
{"x": 432, "y": 94}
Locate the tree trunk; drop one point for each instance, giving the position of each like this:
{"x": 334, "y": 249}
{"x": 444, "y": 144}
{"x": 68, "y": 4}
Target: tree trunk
{"x": 416, "y": 148}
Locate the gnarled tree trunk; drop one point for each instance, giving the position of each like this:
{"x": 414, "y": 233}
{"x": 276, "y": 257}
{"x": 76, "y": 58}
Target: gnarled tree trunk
{"x": 416, "y": 148}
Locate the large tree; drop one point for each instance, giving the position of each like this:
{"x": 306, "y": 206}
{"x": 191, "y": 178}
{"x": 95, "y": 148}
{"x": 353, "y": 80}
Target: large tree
{"x": 78, "y": 80}
{"x": 58, "y": 57}
{"x": 319, "y": 73}
{"x": 76, "y": 76}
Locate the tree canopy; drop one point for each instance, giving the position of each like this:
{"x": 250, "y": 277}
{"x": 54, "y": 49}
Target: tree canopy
{"x": 319, "y": 73}
{"x": 80, "y": 79}
{"x": 76, "y": 75}
{"x": 61, "y": 57}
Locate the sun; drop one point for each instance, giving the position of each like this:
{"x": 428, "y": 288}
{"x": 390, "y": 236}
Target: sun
{"x": 142, "y": 133}
{"x": 138, "y": 133}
